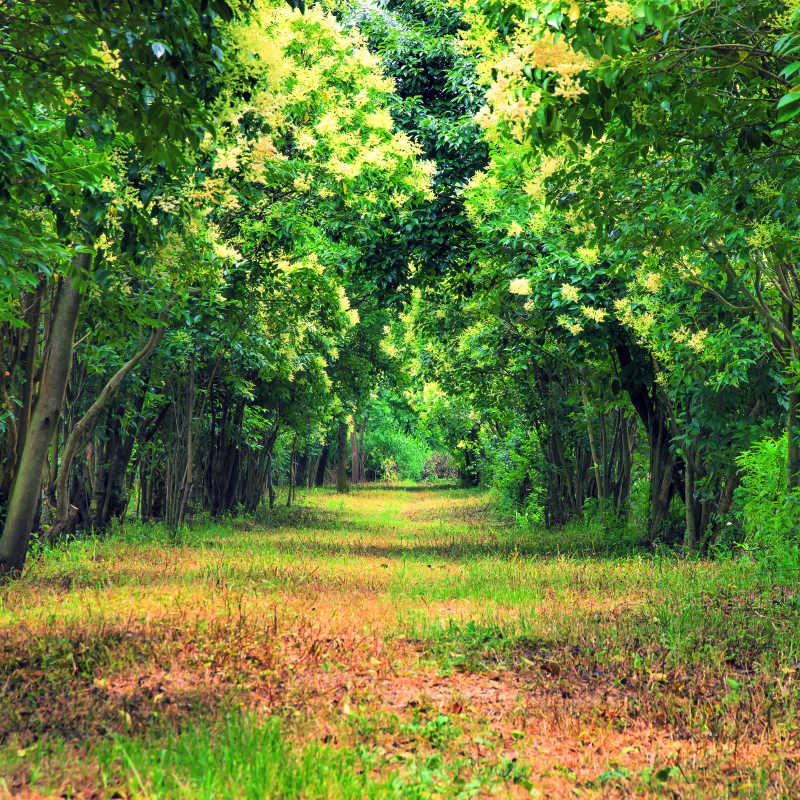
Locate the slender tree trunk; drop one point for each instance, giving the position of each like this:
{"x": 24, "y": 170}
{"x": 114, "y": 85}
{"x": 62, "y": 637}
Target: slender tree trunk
{"x": 313, "y": 470}
{"x": 84, "y": 427}
{"x": 270, "y": 485}
{"x": 27, "y": 484}
{"x": 341, "y": 466}
{"x": 319, "y": 477}
{"x": 354, "y": 460}
{"x": 188, "y": 475}
{"x": 597, "y": 466}
{"x": 726, "y": 498}
{"x": 32, "y": 323}
{"x": 361, "y": 453}
{"x": 664, "y": 469}
{"x": 115, "y": 502}
{"x": 792, "y": 450}
{"x": 690, "y": 534}
{"x": 292, "y": 473}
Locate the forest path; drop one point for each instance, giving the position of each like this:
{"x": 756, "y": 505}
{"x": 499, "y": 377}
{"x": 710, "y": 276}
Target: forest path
{"x": 407, "y": 644}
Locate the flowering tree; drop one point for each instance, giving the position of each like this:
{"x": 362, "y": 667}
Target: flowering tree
{"x": 640, "y": 148}
{"x": 247, "y": 242}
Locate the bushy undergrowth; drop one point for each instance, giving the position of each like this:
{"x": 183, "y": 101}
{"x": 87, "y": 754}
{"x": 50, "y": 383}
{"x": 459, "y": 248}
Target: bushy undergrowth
{"x": 394, "y": 454}
{"x": 514, "y": 466}
{"x": 438, "y": 466}
{"x": 769, "y": 514}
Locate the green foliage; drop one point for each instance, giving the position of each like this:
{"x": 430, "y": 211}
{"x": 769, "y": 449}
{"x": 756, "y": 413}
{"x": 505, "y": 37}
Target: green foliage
{"x": 515, "y": 470}
{"x": 397, "y": 454}
{"x": 437, "y": 95}
{"x": 553, "y": 242}
{"x": 770, "y": 515}
{"x": 395, "y": 449}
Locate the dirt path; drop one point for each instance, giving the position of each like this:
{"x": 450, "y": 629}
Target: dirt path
{"x": 405, "y": 621}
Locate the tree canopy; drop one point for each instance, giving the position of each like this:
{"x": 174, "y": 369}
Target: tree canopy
{"x": 550, "y": 245}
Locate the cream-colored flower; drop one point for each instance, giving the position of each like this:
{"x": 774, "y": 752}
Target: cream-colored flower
{"x": 519, "y": 286}
{"x": 619, "y": 12}
{"x": 696, "y": 341}
{"x": 588, "y": 255}
{"x": 652, "y": 282}
{"x": 573, "y": 327}
{"x": 594, "y": 314}
{"x": 570, "y": 292}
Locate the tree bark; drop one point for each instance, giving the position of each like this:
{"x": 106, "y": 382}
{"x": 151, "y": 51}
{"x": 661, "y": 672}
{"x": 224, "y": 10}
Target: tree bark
{"x": 361, "y": 454}
{"x": 84, "y": 427}
{"x": 269, "y": 446}
{"x": 188, "y": 475}
{"x": 292, "y": 473}
{"x": 664, "y": 469}
{"x": 319, "y": 477}
{"x": 598, "y": 467}
{"x": 341, "y": 466}
{"x": 27, "y": 484}
{"x": 32, "y": 322}
{"x": 270, "y": 485}
{"x": 354, "y": 459}
{"x": 690, "y": 534}
{"x": 792, "y": 450}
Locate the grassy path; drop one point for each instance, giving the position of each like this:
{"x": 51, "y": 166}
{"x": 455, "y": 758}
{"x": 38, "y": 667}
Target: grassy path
{"x": 392, "y": 643}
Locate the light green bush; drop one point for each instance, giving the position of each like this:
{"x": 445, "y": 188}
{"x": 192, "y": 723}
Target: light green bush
{"x": 770, "y": 514}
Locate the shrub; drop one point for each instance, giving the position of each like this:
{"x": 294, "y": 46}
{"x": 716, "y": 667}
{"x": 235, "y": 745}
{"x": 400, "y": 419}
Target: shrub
{"x": 439, "y": 465}
{"x": 394, "y": 454}
{"x": 515, "y": 472}
{"x": 770, "y": 514}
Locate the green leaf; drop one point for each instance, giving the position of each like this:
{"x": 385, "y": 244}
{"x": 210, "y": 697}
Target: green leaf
{"x": 35, "y": 161}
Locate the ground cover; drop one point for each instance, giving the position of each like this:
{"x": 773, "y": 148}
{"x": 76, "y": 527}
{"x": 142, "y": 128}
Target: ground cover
{"x": 397, "y": 642}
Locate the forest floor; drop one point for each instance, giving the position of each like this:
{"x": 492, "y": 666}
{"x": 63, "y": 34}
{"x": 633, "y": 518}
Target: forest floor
{"x": 397, "y": 642}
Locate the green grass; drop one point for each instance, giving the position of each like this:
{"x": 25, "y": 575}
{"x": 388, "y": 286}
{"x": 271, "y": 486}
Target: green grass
{"x": 444, "y": 604}
{"x": 241, "y": 756}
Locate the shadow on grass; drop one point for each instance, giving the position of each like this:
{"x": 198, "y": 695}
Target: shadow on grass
{"x": 416, "y": 487}
{"x": 480, "y": 539}
{"x": 453, "y": 550}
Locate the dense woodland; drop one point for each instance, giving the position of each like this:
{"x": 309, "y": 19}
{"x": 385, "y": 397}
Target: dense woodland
{"x": 549, "y": 247}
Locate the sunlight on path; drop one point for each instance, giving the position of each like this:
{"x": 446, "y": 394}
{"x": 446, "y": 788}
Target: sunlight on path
{"x": 408, "y": 621}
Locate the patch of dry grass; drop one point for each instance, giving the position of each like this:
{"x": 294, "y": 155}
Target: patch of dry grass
{"x": 412, "y": 624}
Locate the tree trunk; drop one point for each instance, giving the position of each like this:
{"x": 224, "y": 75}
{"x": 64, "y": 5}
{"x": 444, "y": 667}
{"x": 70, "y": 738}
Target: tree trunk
{"x": 84, "y": 427}
{"x": 32, "y": 323}
{"x": 792, "y": 450}
{"x": 354, "y": 459}
{"x": 664, "y": 469}
{"x": 292, "y": 473}
{"x": 361, "y": 454}
{"x": 270, "y": 485}
{"x": 690, "y": 534}
{"x": 726, "y": 498}
{"x": 598, "y": 466}
{"x": 188, "y": 475}
{"x": 313, "y": 470}
{"x": 319, "y": 477}
{"x": 341, "y": 466}
{"x": 27, "y": 484}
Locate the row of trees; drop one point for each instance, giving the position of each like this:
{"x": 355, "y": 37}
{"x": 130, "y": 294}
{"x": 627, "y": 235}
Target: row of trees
{"x": 202, "y": 206}
{"x": 567, "y": 231}
{"x": 632, "y": 290}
